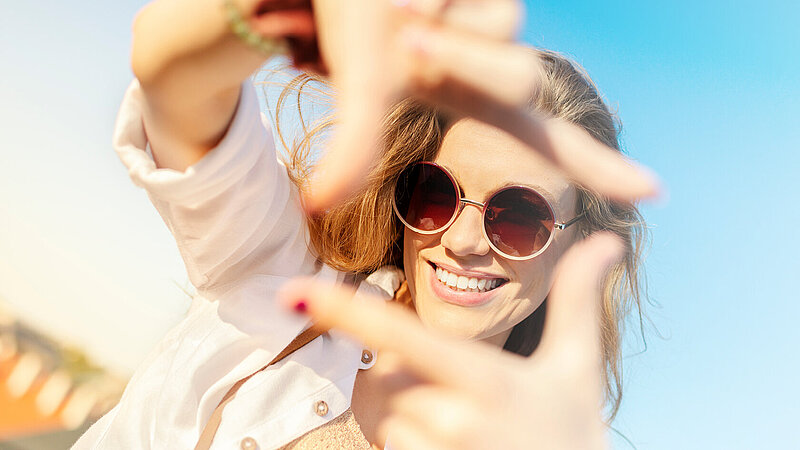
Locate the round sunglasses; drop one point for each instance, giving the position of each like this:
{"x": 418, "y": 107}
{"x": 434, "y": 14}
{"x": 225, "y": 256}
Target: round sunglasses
{"x": 518, "y": 222}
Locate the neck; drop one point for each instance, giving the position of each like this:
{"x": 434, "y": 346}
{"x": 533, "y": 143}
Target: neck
{"x": 498, "y": 340}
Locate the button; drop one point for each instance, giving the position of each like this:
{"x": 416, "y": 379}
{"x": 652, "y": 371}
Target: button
{"x": 249, "y": 443}
{"x": 366, "y": 356}
{"x": 321, "y": 408}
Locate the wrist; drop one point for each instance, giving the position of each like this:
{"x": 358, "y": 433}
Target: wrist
{"x": 238, "y": 14}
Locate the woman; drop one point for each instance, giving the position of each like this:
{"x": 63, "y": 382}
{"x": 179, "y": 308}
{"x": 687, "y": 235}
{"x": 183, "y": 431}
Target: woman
{"x": 187, "y": 131}
{"x": 459, "y": 279}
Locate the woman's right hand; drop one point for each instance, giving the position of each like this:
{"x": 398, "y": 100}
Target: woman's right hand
{"x": 446, "y": 393}
{"x": 460, "y": 55}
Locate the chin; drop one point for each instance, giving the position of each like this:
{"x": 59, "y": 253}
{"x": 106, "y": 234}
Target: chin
{"x": 484, "y": 321}
{"x": 452, "y": 320}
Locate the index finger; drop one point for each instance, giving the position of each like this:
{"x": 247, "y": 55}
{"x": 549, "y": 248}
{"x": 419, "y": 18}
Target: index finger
{"x": 389, "y": 326}
{"x": 493, "y": 82}
{"x": 499, "y": 19}
{"x": 349, "y": 156}
{"x": 357, "y": 69}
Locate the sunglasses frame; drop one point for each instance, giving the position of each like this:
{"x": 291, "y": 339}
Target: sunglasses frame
{"x": 462, "y": 202}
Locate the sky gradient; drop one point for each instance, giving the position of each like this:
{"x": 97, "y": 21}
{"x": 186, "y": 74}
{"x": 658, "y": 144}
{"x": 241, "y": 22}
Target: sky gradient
{"x": 708, "y": 96}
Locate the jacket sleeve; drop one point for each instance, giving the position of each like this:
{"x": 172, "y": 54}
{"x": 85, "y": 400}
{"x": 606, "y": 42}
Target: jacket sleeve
{"x": 235, "y": 212}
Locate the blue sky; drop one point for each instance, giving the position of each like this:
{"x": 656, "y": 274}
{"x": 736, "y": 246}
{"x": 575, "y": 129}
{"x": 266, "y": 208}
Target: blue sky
{"x": 708, "y": 95}
{"x": 707, "y": 92}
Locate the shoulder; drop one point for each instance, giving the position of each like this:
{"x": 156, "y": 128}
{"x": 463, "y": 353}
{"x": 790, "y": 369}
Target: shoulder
{"x": 383, "y": 282}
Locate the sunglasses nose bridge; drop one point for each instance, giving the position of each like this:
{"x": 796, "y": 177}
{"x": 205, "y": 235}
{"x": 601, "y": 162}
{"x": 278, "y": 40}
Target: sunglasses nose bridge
{"x": 461, "y": 235}
{"x": 467, "y": 201}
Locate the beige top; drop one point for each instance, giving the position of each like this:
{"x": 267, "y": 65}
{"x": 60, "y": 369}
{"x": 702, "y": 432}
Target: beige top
{"x": 341, "y": 433}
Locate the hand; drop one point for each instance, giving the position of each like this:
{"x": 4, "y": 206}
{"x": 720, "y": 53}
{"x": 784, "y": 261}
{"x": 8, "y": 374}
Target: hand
{"x": 460, "y": 55}
{"x": 469, "y": 395}
{"x": 291, "y": 20}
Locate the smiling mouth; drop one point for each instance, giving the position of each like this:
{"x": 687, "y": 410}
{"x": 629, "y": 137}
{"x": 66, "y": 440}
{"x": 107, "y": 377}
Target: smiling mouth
{"x": 462, "y": 283}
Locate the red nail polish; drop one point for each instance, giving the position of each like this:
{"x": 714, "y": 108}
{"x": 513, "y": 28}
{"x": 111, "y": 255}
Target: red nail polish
{"x": 301, "y": 306}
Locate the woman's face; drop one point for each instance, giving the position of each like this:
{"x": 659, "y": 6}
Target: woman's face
{"x": 483, "y": 159}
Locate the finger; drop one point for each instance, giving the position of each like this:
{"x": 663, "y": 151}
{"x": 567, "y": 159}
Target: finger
{"x": 499, "y": 19}
{"x": 403, "y": 434}
{"x": 572, "y": 323}
{"x": 393, "y": 376}
{"x": 277, "y": 24}
{"x": 357, "y": 67}
{"x": 453, "y": 417}
{"x": 425, "y": 8}
{"x": 494, "y": 82}
{"x": 439, "y": 57}
{"x": 586, "y": 160}
{"x": 389, "y": 326}
{"x": 349, "y": 157}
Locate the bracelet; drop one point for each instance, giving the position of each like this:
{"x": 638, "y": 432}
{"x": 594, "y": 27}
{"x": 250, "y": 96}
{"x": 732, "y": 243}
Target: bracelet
{"x": 242, "y": 30}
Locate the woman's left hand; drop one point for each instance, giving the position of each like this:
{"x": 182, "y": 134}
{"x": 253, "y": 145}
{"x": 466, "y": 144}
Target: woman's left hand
{"x": 470, "y": 395}
{"x": 459, "y": 55}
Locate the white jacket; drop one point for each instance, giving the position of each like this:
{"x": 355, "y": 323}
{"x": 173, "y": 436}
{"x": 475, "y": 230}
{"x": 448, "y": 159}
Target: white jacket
{"x": 237, "y": 220}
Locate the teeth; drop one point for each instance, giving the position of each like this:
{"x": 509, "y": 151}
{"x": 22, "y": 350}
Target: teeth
{"x": 463, "y": 283}
{"x": 452, "y": 279}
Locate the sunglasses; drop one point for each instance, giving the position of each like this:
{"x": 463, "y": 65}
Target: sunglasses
{"x": 518, "y": 222}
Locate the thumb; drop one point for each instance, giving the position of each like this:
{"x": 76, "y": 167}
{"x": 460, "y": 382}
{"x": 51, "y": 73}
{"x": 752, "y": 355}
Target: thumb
{"x": 572, "y": 324}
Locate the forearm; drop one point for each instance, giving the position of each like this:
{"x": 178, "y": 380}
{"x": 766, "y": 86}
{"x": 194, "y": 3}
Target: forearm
{"x": 186, "y": 47}
{"x": 190, "y": 66}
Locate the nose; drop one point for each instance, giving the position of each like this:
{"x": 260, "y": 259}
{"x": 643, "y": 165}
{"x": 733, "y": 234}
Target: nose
{"x": 465, "y": 236}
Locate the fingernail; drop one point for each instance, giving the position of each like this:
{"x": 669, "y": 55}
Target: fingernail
{"x": 657, "y": 192}
{"x": 662, "y": 197}
{"x": 401, "y": 3}
{"x": 661, "y": 193}
{"x": 301, "y": 306}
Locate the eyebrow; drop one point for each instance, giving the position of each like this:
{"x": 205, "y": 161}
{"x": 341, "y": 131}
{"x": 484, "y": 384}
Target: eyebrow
{"x": 539, "y": 189}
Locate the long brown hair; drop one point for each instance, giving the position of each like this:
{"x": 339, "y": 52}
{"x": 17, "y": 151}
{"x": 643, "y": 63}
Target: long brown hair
{"x": 363, "y": 234}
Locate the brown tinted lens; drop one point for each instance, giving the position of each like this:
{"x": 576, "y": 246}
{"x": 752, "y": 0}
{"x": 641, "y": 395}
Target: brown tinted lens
{"x": 518, "y": 221}
{"x": 425, "y": 197}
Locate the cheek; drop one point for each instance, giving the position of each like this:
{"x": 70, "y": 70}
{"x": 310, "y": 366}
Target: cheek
{"x": 536, "y": 279}
{"x": 409, "y": 248}
{"x": 412, "y": 244}
{"x": 542, "y": 269}
{"x": 410, "y": 252}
